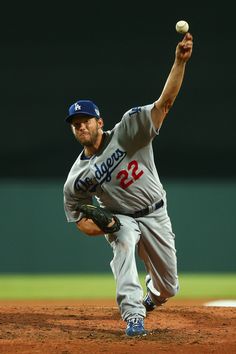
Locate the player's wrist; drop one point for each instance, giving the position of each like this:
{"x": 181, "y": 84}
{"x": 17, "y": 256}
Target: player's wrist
{"x": 180, "y": 62}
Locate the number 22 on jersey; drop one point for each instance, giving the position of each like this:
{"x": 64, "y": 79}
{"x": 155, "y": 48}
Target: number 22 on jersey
{"x": 130, "y": 175}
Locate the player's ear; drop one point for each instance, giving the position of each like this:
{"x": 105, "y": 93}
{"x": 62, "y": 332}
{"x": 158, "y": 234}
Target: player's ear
{"x": 100, "y": 122}
{"x": 72, "y": 128}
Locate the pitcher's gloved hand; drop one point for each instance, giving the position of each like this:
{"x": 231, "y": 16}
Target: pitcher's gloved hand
{"x": 102, "y": 218}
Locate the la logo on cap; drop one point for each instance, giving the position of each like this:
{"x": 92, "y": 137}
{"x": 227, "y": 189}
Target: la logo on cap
{"x": 77, "y": 107}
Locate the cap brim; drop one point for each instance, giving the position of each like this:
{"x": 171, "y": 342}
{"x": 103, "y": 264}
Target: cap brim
{"x": 80, "y": 114}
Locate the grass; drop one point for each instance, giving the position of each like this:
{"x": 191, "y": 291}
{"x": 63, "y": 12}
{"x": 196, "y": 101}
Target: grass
{"x": 62, "y": 286}
{"x": 208, "y": 286}
{"x": 91, "y": 286}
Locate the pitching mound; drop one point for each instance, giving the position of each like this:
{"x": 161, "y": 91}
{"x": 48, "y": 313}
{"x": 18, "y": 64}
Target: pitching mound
{"x": 81, "y": 328}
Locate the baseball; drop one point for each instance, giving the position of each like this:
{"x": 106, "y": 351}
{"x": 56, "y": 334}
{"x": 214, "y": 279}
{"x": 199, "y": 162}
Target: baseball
{"x": 182, "y": 26}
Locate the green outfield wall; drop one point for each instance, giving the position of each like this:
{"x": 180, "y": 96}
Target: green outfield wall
{"x": 36, "y": 238}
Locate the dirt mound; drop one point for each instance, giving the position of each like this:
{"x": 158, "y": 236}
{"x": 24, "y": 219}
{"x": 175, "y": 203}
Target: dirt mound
{"x": 86, "y": 328}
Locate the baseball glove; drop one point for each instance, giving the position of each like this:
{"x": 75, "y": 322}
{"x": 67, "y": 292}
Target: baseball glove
{"x": 102, "y": 218}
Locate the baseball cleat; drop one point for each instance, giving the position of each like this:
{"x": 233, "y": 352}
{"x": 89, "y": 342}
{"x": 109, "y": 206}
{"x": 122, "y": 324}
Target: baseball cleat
{"x": 147, "y": 301}
{"x": 135, "y": 327}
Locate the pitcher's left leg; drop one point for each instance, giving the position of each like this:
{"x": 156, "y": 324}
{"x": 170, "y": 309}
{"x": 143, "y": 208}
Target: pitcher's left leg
{"x": 157, "y": 250}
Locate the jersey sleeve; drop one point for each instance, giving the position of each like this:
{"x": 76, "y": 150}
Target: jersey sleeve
{"x": 72, "y": 203}
{"x": 137, "y": 124}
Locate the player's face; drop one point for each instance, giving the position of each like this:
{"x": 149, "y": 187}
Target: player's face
{"x": 86, "y": 129}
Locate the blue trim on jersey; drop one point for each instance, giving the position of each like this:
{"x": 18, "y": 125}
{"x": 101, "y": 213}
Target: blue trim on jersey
{"x": 135, "y": 110}
{"x": 83, "y": 157}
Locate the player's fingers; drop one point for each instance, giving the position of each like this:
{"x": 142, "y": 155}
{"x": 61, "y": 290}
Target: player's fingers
{"x": 188, "y": 37}
{"x": 186, "y": 44}
{"x": 187, "y": 40}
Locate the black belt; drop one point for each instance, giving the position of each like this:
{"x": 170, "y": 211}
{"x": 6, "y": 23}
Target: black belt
{"x": 146, "y": 211}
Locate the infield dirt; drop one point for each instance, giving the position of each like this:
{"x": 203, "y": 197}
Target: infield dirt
{"x": 72, "y": 327}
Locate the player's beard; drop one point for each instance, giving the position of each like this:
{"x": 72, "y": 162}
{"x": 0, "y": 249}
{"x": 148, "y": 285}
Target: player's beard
{"x": 89, "y": 138}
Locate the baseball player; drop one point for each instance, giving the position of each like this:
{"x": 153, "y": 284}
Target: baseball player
{"x": 117, "y": 168}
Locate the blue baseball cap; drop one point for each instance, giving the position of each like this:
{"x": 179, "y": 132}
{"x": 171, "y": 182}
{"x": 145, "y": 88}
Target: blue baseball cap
{"x": 83, "y": 108}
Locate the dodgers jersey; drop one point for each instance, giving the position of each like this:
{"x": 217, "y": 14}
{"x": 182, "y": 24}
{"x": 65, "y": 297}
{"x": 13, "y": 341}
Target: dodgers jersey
{"x": 122, "y": 176}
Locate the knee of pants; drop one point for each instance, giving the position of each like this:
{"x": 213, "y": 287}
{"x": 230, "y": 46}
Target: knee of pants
{"x": 126, "y": 239}
{"x": 168, "y": 290}
{"x": 125, "y": 246}
{"x": 124, "y": 257}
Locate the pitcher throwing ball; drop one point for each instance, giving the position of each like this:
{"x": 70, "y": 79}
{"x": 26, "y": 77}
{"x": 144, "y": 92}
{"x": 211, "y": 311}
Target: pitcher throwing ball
{"x": 117, "y": 168}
